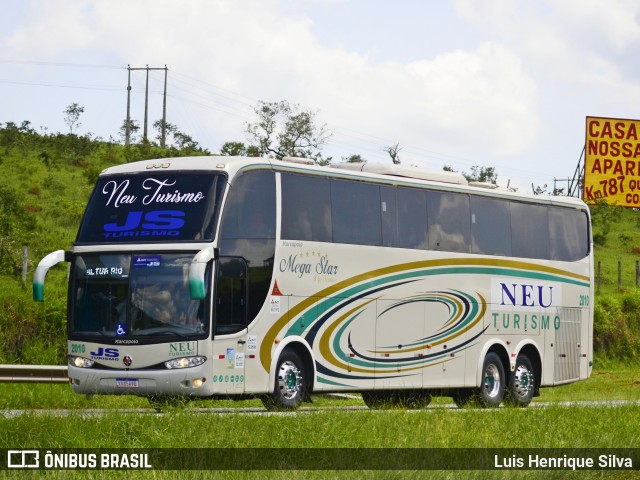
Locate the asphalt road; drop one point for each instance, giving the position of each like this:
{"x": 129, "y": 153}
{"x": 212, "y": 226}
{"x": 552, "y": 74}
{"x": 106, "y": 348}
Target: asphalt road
{"x": 258, "y": 411}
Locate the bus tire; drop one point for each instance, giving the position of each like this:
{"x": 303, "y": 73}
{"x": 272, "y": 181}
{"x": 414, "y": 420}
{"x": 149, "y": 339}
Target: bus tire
{"x": 522, "y": 383}
{"x": 289, "y": 387}
{"x": 375, "y": 400}
{"x": 491, "y": 391}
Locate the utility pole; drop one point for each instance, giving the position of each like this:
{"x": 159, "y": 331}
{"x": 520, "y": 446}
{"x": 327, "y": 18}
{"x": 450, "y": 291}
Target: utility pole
{"x": 163, "y": 140}
{"x": 146, "y": 105}
{"x": 127, "y": 126}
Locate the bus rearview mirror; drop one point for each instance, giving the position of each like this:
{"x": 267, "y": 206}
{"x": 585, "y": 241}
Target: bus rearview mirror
{"x": 41, "y": 272}
{"x": 197, "y": 272}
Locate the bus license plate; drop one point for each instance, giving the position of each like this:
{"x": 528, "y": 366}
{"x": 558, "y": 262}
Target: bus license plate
{"x": 127, "y": 382}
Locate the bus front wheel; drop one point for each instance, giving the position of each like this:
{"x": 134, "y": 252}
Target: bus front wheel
{"x": 492, "y": 388}
{"x": 289, "y": 388}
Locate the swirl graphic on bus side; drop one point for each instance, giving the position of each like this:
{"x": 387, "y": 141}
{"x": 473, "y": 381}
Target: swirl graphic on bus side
{"x": 465, "y": 312}
{"x": 327, "y": 319}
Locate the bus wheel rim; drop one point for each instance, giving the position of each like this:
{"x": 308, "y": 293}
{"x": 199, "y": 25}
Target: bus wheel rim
{"x": 492, "y": 381}
{"x": 289, "y": 380}
{"x": 523, "y": 381}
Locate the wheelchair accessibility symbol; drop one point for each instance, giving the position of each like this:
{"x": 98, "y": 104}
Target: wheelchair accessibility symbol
{"x": 121, "y": 329}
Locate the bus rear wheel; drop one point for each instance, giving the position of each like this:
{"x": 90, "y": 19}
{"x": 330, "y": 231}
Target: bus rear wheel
{"x": 521, "y": 384}
{"x": 289, "y": 388}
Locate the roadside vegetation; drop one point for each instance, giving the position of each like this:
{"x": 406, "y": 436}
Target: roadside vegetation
{"x": 45, "y": 181}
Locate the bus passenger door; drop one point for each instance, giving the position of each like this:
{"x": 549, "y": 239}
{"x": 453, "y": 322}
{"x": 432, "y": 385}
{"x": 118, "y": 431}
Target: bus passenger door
{"x": 230, "y": 325}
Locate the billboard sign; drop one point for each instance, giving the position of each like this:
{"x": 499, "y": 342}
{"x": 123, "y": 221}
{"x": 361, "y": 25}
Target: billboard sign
{"x": 612, "y": 161}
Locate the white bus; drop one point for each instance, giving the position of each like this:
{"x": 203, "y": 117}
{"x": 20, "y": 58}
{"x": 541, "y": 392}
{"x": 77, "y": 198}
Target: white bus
{"x": 228, "y": 276}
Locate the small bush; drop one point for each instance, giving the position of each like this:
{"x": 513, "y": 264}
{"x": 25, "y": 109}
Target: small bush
{"x": 616, "y": 326}
{"x": 32, "y": 333}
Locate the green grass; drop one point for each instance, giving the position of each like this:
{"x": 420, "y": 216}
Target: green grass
{"x": 555, "y": 427}
{"x": 609, "y": 381}
{"x": 564, "y": 427}
{"x": 619, "y": 245}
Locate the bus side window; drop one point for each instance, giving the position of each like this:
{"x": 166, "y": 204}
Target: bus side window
{"x": 411, "y": 211}
{"x": 530, "y": 230}
{"x": 568, "y": 234}
{"x": 490, "y": 226}
{"x": 388, "y": 214}
{"x": 306, "y": 208}
{"x": 448, "y": 218}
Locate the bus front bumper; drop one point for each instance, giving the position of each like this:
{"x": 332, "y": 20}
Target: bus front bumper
{"x": 192, "y": 382}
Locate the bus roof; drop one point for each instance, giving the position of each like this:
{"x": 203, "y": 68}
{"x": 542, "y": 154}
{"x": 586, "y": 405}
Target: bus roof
{"x": 382, "y": 173}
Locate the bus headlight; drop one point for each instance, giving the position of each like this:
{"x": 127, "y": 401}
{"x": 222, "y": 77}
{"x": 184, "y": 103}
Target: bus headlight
{"x": 80, "y": 362}
{"x": 185, "y": 362}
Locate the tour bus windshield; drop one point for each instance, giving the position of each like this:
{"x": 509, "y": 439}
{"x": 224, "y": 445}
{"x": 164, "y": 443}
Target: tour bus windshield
{"x": 135, "y": 296}
{"x": 153, "y": 207}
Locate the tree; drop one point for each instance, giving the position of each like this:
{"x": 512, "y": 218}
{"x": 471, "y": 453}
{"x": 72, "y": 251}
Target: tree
{"x": 478, "y": 174}
{"x": 539, "y": 190}
{"x": 356, "y": 158}
{"x": 134, "y": 127}
{"x": 72, "y": 116}
{"x": 482, "y": 174}
{"x": 169, "y": 129}
{"x": 184, "y": 141}
{"x": 283, "y": 129}
{"x": 239, "y": 149}
{"x": 233, "y": 149}
{"x": 394, "y": 152}
{"x": 180, "y": 139}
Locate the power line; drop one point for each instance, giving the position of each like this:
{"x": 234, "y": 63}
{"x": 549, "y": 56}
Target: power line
{"x": 210, "y": 96}
{"x": 62, "y": 85}
{"x": 61, "y": 64}
{"x": 208, "y": 84}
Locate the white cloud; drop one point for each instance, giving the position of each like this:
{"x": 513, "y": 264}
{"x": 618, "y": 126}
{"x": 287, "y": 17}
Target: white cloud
{"x": 483, "y": 98}
{"x": 610, "y": 86}
{"x": 494, "y": 13}
{"x": 614, "y": 22}
{"x": 53, "y": 28}
{"x": 254, "y": 48}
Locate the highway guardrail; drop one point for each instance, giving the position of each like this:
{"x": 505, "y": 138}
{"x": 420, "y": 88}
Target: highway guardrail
{"x": 33, "y": 374}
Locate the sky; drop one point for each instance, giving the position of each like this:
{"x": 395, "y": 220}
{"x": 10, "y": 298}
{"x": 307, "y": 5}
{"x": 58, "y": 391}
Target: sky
{"x": 493, "y": 83}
